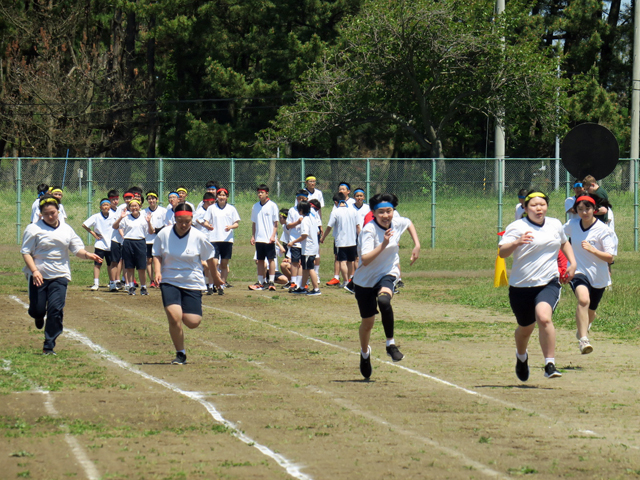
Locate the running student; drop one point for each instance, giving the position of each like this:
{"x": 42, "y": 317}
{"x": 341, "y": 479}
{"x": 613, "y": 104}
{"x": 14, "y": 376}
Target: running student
{"x": 264, "y": 227}
{"x": 134, "y": 248}
{"x": 43, "y": 188}
{"x": 45, "y": 250}
{"x": 294, "y": 219}
{"x": 178, "y": 253}
{"x": 155, "y": 215}
{"x": 224, "y": 219}
{"x": 594, "y": 248}
{"x": 310, "y": 182}
{"x": 570, "y": 202}
{"x": 309, "y": 248}
{"x": 534, "y": 286}
{"x": 378, "y": 271}
{"x": 102, "y": 224}
{"x": 210, "y": 187}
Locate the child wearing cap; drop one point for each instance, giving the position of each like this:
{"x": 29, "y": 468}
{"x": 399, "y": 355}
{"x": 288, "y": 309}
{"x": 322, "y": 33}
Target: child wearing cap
{"x": 102, "y": 225}
{"x": 522, "y": 194}
{"x": 570, "y": 202}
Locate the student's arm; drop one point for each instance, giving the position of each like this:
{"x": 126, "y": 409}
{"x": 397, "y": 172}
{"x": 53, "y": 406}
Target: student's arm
{"x": 31, "y": 265}
{"x": 506, "y": 249}
{"x": 326, "y": 234}
{"x": 604, "y": 256}
{"x": 275, "y": 232}
{"x": 294, "y": 224}
{"x": 213, "y": 268}
{"x": 157, "y": 267}
{"x": 116, "y": 224}
{"x": 416, "y": 249}
{"x": 369, "y": 257}
{"x": 298, "y": 240}
{"x": 567, "y": 249}
{"x": 233, "y": 226}
{"x": 82, "y": 253}
{"x": 93, "y": 234}
{"x": 253, "y": 233}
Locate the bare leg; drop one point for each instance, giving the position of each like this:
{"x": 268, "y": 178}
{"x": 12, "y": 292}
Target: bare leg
{"x": 176, "y": 318}
{"x": 547, "y": 330}
{"x": 522, "y": 335}
{"x": 366, "y": 325}
{"x": 582, "y": 310}
{"x": 314, "y": 279}
{"x": 224, "y": 269}
{"x": 344, "y": 269}
{"x": 142, "y": 276}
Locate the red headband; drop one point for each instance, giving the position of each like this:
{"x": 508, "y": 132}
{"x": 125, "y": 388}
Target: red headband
{"x": 262, "y": 190}
{"x": 588, "y": 199}
{"x": 223, "y": 190}
{"x": 128, "y": 195}
{"x": 182, "y": 213}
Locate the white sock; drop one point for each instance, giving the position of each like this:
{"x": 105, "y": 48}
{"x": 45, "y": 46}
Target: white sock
{"x": 522, "y": 357}
{"x": 96, "y": 281}
{"x": 143, "y": 286}
{"x": 260, "y": 279}
{"x": 211, "y": 285}
{"x": 390, "y": 341}
{"x": 182, "y": 351}
{"x": 272, "y": 278}
{"x": 549, "y": 360}
{"x": 299, "y": 280}
{"x": 317, "y": 269}
{"x": 366, "y": 355}
{"x": 337, "y": 277}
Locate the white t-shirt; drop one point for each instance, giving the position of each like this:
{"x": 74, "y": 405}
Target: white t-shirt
{"x": 362, "y": 212}
{"x": 220, "y": 218}
{"x": 169, "y": 216}
{"x": 603, "y": 239}
{"x": 265, "y": 217}
{"x": 182, "y": 257}
{"x": 316, "y": 195}
{"x": 535, "y": 264}
{"x": 157, "y": 221}
{"x": 285, "y": 238}
{"x": 388, "y": 262}
{"x": 134, "y": 228}
{"x": 519, "y": 211}
{"x": 199, "y": 216}
{"x": 568, "y": 205}
{"x": 344, "y": 222}
{"x": 103, "y": 226}
{"x": 310, "y": 244}
{"x": 50, "y": 248}
{"x": 116, "y": 233}
{"x": 294, "y": 232}
{"x": 35, "y": 210}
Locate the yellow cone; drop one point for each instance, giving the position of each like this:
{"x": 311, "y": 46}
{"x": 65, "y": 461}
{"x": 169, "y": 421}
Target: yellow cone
{"x": 500, "y": 277}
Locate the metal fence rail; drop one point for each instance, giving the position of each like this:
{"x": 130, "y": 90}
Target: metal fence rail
{"x": 473, "y": 193}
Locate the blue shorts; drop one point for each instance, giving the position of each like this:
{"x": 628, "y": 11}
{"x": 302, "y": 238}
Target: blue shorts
{"x": 134, "y": 254}
{"x": 116, "y": 252}
{"x": 189, "y": 300}
{"x": 367, "y": 297}
{"x": 595, "y": 294}
{"x": 296, "y": 254}
{"x": 105, "y": 255}
{"x": 223, "y": 250}
{"x": 523, "y": 300}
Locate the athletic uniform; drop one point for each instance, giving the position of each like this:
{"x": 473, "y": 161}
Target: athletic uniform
{"x": 362, "y": 212}
{"x": 309, "y": 246}
{"x": 157, "y": 221}
{"x": 519, "y": 211}
{"x": 295, "y": 252}
{"x": 534, "y": 274}
{"x": 316, "y": 195}
{"x": 49, "y": 248}
{"x": 568, "y": 205}
{"x": 116, "y": 239}
{"x": 220, "y": 218}
{"x": 264, "y": 217}
{"x": 344, "y": 222}
{"x": 134, "y": 247}
{"x": 103, "y": 226}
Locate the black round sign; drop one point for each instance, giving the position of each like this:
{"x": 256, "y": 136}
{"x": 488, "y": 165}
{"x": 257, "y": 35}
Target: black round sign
{"x": 590, "y": 149}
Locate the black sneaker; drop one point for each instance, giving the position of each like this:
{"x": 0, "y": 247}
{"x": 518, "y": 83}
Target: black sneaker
{"x": 119, "y": 286}
{"x": 286, "y": 286}
{"x": 299, "y": 291}
{"x": 314, "y": 293}
{"x": 228, "y": 285}
{"x": 400, "y": 284}
{"x": 522, "y": 369}
{"x": 181, "y": 359}
{"x": 132, "y": 290}
{"x": 349, "y": 287}
{"x": 49, "y": 352}
{"x": 365, "y": 365}
{"x": 210, "y": 291}
{"x": 394, "y": 353}
{"x": 550, "y": 371}
{"x": 39, "y": 322}
{"x": 143, "y": 291}
{"x": 220, "y": 291}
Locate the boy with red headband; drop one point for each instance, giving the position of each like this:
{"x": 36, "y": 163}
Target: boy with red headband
{"x": 264, "y": 226}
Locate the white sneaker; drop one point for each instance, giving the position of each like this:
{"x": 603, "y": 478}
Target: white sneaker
{"x": 95, "y": 288}
{"x": 585, "y": 346}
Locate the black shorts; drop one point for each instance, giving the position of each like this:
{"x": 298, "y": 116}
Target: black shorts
{"x": 189, "y": 300}
{"x": 347, "y": 254}
{"x": 335, "y": 249}
{"x": 524, "y": 300}
{"x": 296, "y": 254}
{"x": 265, "y": 250}
{"x": 134, "y": 254}
{"x": 116, "y": 252}
{"x": 223, "y": 250}
{"x": 307, "y": 262}
{"x": 595, "y": 294}
{"x": 367, "y": 296}
{"x": 149, "y": 250}
{"x": 105, "y": 255}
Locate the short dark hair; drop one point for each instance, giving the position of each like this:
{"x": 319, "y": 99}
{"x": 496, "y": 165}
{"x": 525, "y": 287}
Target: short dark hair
{"x": 383, "y": 197}
{"x": 43, "y": 188}
{"x": 339, "y": 197}
{"x": 183, "y": 207}
{"x": 208, "y": 196}
{"x": 302, "y": 191}
{"x": 522, "y": 192}
{"x": 113, "y": 193}
{"x": 315, "y": 203}
{"x": 304, "y": 208}
{"x": 262, "y": 186}
{"x": 345, "y": 183}
{"x": 135, "y": 190}
{"x": 212, "y": 184}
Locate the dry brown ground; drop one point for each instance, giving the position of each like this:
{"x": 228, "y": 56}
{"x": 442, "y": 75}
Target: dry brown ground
{"x": 285, "y": 371}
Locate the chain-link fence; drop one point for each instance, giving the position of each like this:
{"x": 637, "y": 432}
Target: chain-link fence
{"x": 454, "y": 203}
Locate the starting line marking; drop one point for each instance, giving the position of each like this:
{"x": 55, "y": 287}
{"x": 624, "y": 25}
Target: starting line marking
{"x": 291, "y": 468}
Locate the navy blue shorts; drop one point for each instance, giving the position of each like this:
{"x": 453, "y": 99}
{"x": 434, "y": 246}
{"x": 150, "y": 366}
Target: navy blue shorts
{"x": 296, "y": 254}
{"x": 347, "y": 254}
{"x": 524, "y": 300}
{"x": 116, "y": 252}
{"x": 149, "y": 250}
{"x": 265, "y": 250}
{"x": 134, "y": 254}
{"x": 105, "y": 255}
{"x": 223, "y": 250}
{"x": 367, "y": 297}
{"x": 595, "y": 294}
{"x": 308, "y": 262}
{"x": 189, "y": 300}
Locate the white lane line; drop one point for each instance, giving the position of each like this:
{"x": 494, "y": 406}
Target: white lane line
{"x": 87, "y": 465}
{"x": 291, "y": 468}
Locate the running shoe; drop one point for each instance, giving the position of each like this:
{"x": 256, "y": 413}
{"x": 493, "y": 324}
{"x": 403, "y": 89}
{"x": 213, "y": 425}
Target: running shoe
{"x": 550, "y": 371}
{"x": 39, "y": 322}
{"x": 300, "y": 291}
{"x": 349, "y": 287}
{"x": 272, "y": 287}
{"x": 132, "y": 290}
{"x": 400, "y": 284}
{"x": 257, "y": 286}
{"x": 292, "y": 287}
{"x": 119, "y": 286}
{"x": 585, "y": 346}
{"x": 286, "y": 286}
{"x": 143, "y": 291}
{"x": 220, "y": 291}
{"x": 333, "y": 281}
{"x": 228, "y": 285}
{"x": 49, "y": 352}
{"x": 113, "y": 288}
{"x": 94, "y": 288}
{"x": 181, "y": 359}
{"x": 210, "y": 291}
{"x": 522, "y": 369}
{"x": 135, "y": 284}
{"x": 394, "y": 353}
{"x": 365, "y": 365}
{"x": 314, "y": 293}
{"x": 153, "y": 284}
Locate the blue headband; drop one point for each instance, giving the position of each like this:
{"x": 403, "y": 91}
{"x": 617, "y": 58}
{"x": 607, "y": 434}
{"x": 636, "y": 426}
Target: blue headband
{"x": 105, "y": 201}
{"x": 344, "y": 185}
{"x": 382, "y": 205}
{"x": 577, "y": 184}
{"x": 211, "y": 187}
{"x": 174, "y": 193}
{"x": 522, "y": 197}
{"x": 358, "y": 190}
{"x": 342, "y": 201}
{"x": 301, "y": 195}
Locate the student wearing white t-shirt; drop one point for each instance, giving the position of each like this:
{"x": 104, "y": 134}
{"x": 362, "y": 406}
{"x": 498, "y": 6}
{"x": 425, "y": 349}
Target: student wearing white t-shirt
{"x": 316, "y": 214}
{"x": 42, "y": 189}
{"x": 116, "y": 240}
{"x": 102, "y": 225}
{"x": 378, "y": 271}
{"x": 56, "y": 192}
{"x": 45, "y": 250}
{"x": 200, "y": 224}
{"x": 174, "y": 199}
{"x": 570, "y": 202}
{"x": 344, "y": 222}
{"x": 522, "y": 194}
{"x": 594, "y": 248}
{"x": 155, "y": 215}
{"x": 361, "y": 208}
{"x": 534, "y": 287}
{"x": 308, "y": 240}
{"x": 210, "y": 187}
{"x": 178, "y": 253}
{"x": 294, "y": 219}
{"x": 134, "y": 227}
{"x": 223, "y": 219}
{"x": 264, "y": 226}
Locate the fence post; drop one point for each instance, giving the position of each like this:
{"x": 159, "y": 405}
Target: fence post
{"x": 368, "y": 182}
{"x": 635, "y": 204}
{"x": 303, "y": 172}
{"x": 161, "y": 180}
{"x": 232, "y": 182}
{"x": 433, "y": 202}
{"x": 500, "y": 187}
{"x": 19, "y": 198}
{"x": 89, "y": 192}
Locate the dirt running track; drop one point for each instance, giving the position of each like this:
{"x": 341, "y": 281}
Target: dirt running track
{"x": 283, "y": 372}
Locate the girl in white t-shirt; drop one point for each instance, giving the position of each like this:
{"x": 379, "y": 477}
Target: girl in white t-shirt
{"x": 534, "y": 286}
{"x": 595, "y": 245}
{"x": 178, "y": 253}
{"x": 134, "y": 226}
{"x": 378, "y": 271}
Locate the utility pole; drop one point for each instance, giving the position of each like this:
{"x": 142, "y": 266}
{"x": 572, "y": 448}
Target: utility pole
{"x": 499, "y": 137}
{"x": 635, "y": 98}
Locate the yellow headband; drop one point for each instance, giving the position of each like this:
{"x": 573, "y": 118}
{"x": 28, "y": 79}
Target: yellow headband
{"x": 182, "y": 190}
{"x": 57, "y": 190}
{"x": 535, "y": 194}
{"x": 134, "y": 201}
{"x": 310, "y": 178}
{"x": 151, "y": 194}
{"x": 48, "y": 200}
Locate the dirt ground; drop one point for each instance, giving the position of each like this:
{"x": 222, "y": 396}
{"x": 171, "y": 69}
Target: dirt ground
{"x": 283, "y": 372}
